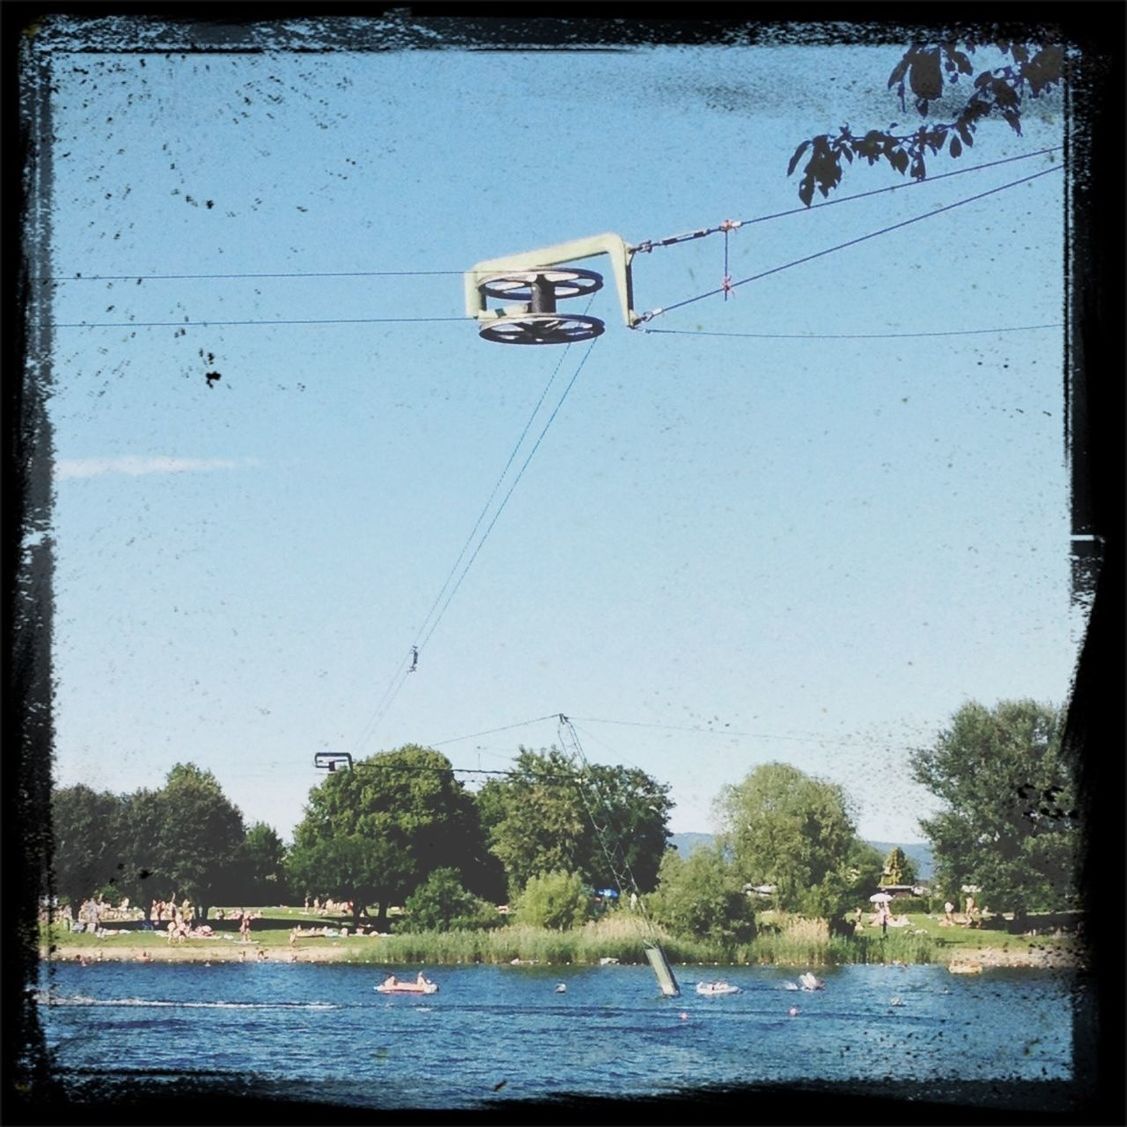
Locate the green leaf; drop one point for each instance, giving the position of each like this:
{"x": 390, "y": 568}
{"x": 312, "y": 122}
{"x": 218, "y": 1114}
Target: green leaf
{"x": 900, "y": 69}
{"x": 797, "y": 156}
{"x": 806, "y": 188}
{"x": 924, "y": 78}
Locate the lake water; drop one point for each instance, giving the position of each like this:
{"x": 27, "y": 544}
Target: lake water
{"x": 503, "y": 1033}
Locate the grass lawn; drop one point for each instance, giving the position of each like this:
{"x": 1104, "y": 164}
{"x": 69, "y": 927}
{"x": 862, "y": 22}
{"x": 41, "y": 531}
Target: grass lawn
{"x": 270, "y": 938}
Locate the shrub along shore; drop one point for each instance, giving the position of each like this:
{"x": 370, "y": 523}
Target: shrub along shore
{"x": 790, "y": 943}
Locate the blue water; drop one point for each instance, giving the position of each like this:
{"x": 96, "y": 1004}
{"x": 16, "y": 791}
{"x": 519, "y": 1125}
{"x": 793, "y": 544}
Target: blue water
{"x": 504, "y": 1032}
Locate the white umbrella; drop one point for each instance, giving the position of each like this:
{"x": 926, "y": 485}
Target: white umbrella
{"x": 880, "y": 898}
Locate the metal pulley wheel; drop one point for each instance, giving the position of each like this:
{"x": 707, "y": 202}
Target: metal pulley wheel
{"x": 522, "y": 285}
{"x": 542, "y": 328}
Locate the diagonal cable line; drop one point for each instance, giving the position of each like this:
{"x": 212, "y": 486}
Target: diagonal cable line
{"x": 489, "y": 501}
{"x": 849, "y": 243}
{"x": 652, "y": 244}
{"x": 402, "y": 672}
{"x": 493, "y": 731}
{"x": 858, "y": 336}
{"x": 516, "y": 480}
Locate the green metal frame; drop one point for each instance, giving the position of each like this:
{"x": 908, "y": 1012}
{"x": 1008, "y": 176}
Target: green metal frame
{"x": 620, "y": 255}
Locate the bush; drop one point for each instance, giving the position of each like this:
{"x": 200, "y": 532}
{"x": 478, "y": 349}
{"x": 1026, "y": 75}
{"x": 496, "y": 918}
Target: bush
{"x": 440, "y": 903}
{"x": 701, "y": 898}
{"x": 554, "y": 900}
{"x": 902, "y": 905}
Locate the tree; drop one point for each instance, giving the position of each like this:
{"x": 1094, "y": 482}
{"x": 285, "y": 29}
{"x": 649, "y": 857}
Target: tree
{"x": 631, "y": 810}
{"x": 1009, "y": 821}
{"x": 181, "y": 841}
{"x": 557, "y": 900}
{"x": 259, "y": 875}
{"x": 86, "y": 855}
{"x": 929, "y": 71}
{"x": 353, "y": 867}
{"x": 140, "y": 818}
{"x": 898, "y": 868}
{"x": 549, "y": 816}
{"x": 199, "y": 837}
{"x": 534, "y": 820}
{"x": 374, "y": 833}
{"x": 440, "y": 903}
{"x": 701, "y": 897}
{"x": 783, "y": 827}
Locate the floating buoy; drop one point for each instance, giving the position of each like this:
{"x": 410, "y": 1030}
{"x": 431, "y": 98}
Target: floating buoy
{"x": 561, "y": 988}
{"x": 793, "y": 1011}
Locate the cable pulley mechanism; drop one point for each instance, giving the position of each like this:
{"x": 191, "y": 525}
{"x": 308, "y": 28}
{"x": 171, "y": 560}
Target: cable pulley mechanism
{"x": 538, "y": 280}
{"x": 332, "y": 760}
{"x": 542, "y": 328}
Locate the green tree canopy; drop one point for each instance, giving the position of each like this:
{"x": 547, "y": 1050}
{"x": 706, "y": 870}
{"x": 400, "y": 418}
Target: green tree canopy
{"x": 898, "y": 868}
{"x": 701, "y": 897}
{"x": 259, "y": 874}
{"x": 87, "y": 854}
{"x": 783, "y": 827}
{"x": 395, "y": 817}
{"x": 1009, "y": 820}
{"x": 937, "y": 73}
{"x": 557, "y": 900}
{"x": 199, "y": 837}
{"x": 181, "y": 841}
{"x": 137, "y": 831}
{"x": 548, "y": 816}
{"x": 350, "y": 866}
{"x": 441, "y": 903}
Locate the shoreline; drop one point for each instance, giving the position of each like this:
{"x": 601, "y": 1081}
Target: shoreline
{"x": 1050, "y": 957}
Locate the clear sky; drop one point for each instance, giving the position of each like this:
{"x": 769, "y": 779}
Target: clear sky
{"x": 810, "y": 542}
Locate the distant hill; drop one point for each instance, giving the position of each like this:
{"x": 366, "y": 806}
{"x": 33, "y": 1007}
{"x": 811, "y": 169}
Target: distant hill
{"x": 918, "y": 851}
{"x": 686, "y": 843}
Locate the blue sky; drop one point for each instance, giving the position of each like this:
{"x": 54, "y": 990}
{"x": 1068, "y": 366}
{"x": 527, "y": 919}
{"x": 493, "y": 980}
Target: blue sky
{"x": 726, "y": 549}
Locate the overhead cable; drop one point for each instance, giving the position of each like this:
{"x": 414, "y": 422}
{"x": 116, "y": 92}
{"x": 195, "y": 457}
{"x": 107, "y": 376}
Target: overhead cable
{"x": 227, "y": 324}
{"x": 646, "y": 245}
{"x": 235, "y": 275}
{"x": 859, "y": 336}
{"x": 399, "y": 678}
{"x": 730, "y": 224}
{"x": 842, "y": 246}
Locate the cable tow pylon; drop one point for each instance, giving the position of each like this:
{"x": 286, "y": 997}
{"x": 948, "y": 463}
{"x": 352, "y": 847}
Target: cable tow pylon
{"x": 617, "y": 863}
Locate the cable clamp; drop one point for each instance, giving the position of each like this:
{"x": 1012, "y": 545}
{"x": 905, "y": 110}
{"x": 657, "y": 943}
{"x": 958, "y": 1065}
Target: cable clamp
{"x": 730, "y": 225}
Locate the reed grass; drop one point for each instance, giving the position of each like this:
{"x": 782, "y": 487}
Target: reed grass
{"x": 785, "y": 941}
